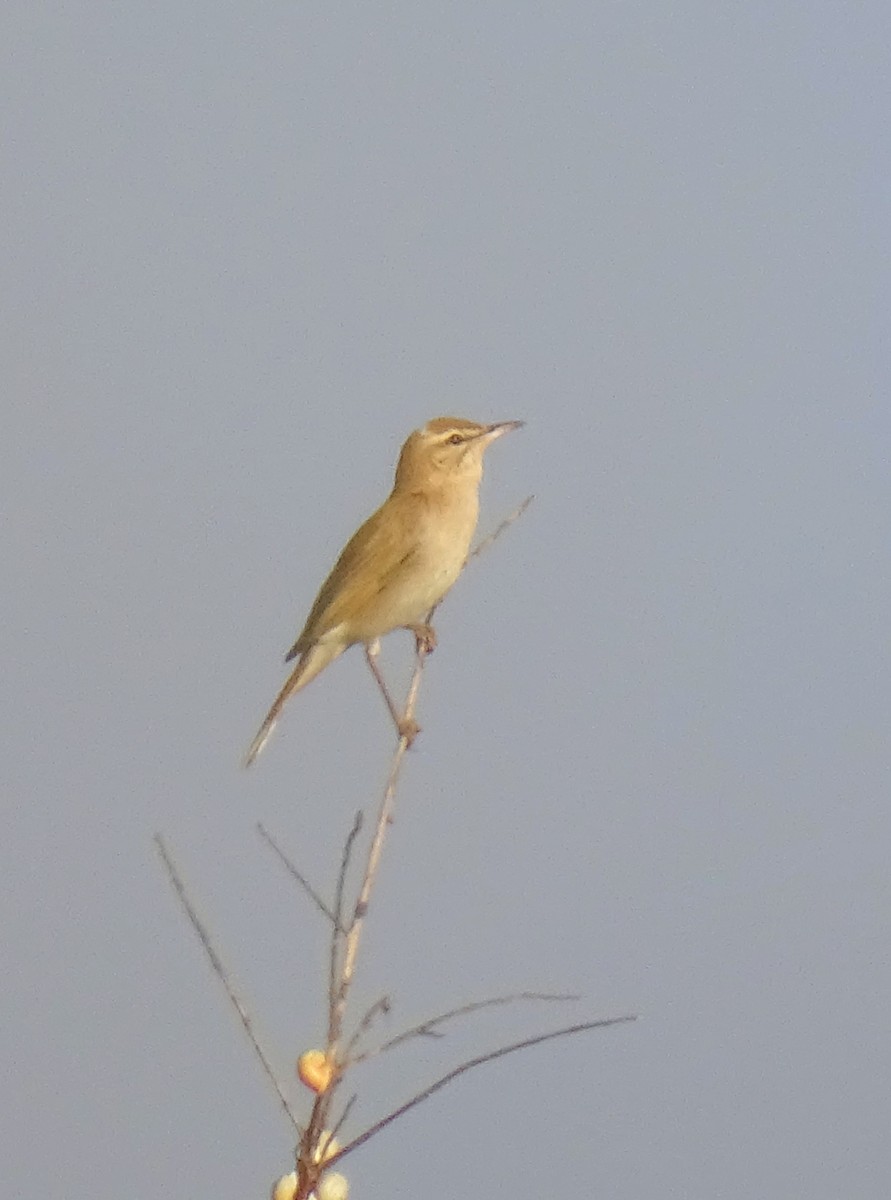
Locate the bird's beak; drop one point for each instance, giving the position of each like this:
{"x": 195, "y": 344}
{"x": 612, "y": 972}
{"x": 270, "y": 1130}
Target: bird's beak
{"x": 491, "y": 432}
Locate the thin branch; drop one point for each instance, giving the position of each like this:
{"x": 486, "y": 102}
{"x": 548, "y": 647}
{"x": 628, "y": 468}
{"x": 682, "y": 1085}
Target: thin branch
{"x": 428, "y": 1028}
{"x": 324, "y": 1142}
{"x": 339, "y": 932}
{"x": 217, "y": 963}
{"x": 321, "y": 1108}
{"x": 499, "y": 529}
{"x": 341, "y": 1120}
{"x": 375, "y": 1010}
{"x": 348, "y": 844}
{"x": 296, "y": 874}
{"x": 469, "y": 1066}
{"x": 384, "y": 817}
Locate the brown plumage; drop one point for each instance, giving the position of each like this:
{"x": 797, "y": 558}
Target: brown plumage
{"x": 403, "y": 560}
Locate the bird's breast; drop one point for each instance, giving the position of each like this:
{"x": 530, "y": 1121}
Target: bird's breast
{"x": 437, "y": 541}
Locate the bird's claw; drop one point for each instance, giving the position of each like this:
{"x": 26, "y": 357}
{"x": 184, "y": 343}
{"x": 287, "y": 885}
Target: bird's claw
{"x": 425, "y": 638}
{"x": 408, "y": 730}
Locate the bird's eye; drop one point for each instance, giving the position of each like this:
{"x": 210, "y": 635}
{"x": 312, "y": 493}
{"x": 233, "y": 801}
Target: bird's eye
{"x": 456, "y": 439}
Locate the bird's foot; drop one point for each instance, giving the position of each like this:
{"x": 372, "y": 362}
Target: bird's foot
{"x": 408, "y": 730}
{"x": 425, "y": 638}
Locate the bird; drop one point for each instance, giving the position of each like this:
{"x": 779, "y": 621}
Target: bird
{"x": 400, "y": 563}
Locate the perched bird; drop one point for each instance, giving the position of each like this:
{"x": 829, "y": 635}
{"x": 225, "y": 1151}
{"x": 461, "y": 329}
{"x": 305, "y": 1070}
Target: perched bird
{"x": 402, "y": 561}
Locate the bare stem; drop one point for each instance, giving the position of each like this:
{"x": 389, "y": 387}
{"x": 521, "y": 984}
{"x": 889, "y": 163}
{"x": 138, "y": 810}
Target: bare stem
{"x": 469, "y": 1066}
{"x": 429, "y": 1028}
{"x": 375, "y": 850}
{"x": 340, "y": 931}
{"x": 296, "y": 874}
{"x": 500, "y": 528}
{"x": 379, "y": 1008}
{"x": 222, "y": 974}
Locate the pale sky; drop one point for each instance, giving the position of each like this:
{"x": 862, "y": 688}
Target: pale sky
{"x": 247, "y": 249}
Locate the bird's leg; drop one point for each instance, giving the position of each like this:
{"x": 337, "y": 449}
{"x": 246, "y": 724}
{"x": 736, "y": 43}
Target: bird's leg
{"x": 406, "y": 727}
{"x": 425, "y": 637}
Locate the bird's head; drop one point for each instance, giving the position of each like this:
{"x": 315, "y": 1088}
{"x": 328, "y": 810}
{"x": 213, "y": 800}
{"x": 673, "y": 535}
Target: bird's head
{"x": 446, "y": 450}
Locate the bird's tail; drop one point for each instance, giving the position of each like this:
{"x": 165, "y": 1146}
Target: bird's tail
{"x": 311, "y": 662}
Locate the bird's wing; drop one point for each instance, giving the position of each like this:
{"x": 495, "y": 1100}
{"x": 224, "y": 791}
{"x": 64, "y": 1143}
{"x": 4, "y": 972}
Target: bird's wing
{"x": 376, "y": 555}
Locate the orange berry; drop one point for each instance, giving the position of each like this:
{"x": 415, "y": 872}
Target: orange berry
{"x": 315, "y": 1070}
{"x": 333, "y": 1187}
{"x": 285, "y": 1188}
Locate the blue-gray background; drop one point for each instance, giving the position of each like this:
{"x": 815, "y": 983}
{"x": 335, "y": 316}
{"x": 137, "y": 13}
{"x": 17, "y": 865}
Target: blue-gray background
{"x": 249, "y": 247}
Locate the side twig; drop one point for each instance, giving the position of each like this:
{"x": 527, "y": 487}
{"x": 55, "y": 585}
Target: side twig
{"x": 296, "y": 874}
{"x": 500, "y": 528}
{"x": 217, "y": 963}
{"x": 472, "y": 1063}
{"x": 429, "y": 1028}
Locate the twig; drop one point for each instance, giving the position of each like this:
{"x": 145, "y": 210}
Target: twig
{"x": 384, "y": 816}
{"x": 339, "y": 932}
{"x": 379, "y": 1007}
{"x": 341, "y": 1120}
{"x": 341, "y": 971}
{"x": 469, "y": 1066}
{"x": 499, "y": 529}
{"x": 296, "y": 874}
{"x": 217, "y": 963}
{"x": 348, "y": 844}
{"x": 428, "y": 1028}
